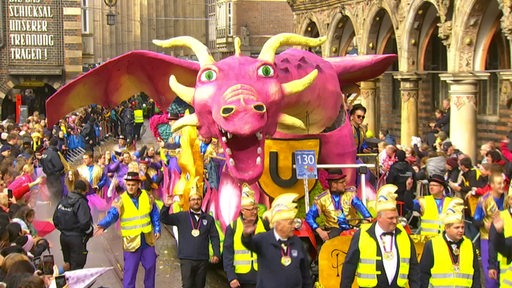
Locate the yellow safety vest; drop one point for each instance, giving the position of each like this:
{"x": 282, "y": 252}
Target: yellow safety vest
{"x": 135, "y": 221}
{"x": 243, "y": 259}
{"x": 367, "y": 267}
{"x": 430, "y": 222}
{"x": 138, "y": 116}
{"x": 443, "y": 274}
{"x": 505, "y": 269}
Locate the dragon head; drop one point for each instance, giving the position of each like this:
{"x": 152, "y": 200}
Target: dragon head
{"x": 238, "y": 100}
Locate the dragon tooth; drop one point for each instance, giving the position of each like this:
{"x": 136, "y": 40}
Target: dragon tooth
{"x": 228, "y": 151}
{"x": 259, "y": 135}
{"x": 224, "y": 139}
{"x": 230, "y": 135}
{"x": 231, "y": 162}
{"x": 258, "y": 160}
{"x": 259, "y": 150}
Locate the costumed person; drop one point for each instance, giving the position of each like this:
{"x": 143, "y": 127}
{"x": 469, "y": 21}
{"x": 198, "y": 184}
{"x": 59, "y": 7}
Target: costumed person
{"x": 73, "y": 219}
{"x": 487, "y": 206}
{"x": 240, "y": 264}
{"x": 96, "y": 179}
{"x": 450, "y": 247}
{"x": 196, "y": 230}
{"x": 140, "y": 228}
{"x": 282, "y": 259}
{"x": 500, "y": 241}
{"x": 338, "y": 207}
{"x": 432, "y": 206}
{"x": 120, "y": 146}
{"x": 151, "y": 179}
{"x": 119, "y": 169}
{"x": 381, "y": 254}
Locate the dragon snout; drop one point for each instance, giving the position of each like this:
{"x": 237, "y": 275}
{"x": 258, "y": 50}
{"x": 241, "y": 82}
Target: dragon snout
{"x": 227, "y": 110}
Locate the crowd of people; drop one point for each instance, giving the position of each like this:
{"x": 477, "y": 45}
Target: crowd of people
{"x": 462, "y": 205}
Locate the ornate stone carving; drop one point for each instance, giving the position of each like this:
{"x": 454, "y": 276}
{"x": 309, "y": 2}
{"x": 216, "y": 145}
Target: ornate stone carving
{"x": 506, "y": 24}
{"x": 460, "y": 100}
{"x": 443, "y": 6}
{"x": 505, "y": 91}
{"x": 445, "y": 33}
{"x": 407, "y": 95}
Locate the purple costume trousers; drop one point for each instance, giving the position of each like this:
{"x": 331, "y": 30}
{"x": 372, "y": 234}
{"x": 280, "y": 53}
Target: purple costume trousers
{"x": 147, "y": 257}
{"x": 484, "y": 252}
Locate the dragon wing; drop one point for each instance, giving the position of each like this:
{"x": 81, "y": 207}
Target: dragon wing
{"x": 119, "y": 79}
{"x": 352, "y": 69}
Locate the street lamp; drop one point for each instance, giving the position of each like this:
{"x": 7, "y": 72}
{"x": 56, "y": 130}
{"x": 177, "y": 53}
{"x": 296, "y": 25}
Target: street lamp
{"x": 111, "y": 16}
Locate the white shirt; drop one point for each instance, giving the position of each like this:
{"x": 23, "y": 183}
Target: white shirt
{"x": 389, "y": 265}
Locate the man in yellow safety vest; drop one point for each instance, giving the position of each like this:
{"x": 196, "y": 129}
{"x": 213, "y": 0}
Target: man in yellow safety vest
{"x": 454, "y": 262}
{"x": 381, "y": 254}
{"x": 240, "y": 264}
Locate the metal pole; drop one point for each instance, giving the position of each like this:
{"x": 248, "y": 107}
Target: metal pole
{"x": 306, "y": 194}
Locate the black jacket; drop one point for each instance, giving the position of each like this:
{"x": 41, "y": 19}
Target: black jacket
{"x": 273, "y": 274}
{"x": 190, "y": 247}
{"x": 73, "y": 215}
{"x": 398, "y": 174}
{"x": 352, "y": 261}
{"x": 427, "y": 262}
{"x": 51, "y": 162}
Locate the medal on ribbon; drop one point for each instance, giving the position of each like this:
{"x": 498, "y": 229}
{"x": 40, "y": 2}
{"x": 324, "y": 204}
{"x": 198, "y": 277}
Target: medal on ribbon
{"x": 286, "y": 260}
{"x": 195, "y": 230}
{"x": 285, "y": 255}
{"x": 388, "y": 254}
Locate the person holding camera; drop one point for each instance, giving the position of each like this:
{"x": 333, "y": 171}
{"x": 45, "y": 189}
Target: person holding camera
{"x": 73, "y": 219}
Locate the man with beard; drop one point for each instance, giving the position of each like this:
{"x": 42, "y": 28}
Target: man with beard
{"x": 337, "y": 205}
{"x": 196, "y": 230}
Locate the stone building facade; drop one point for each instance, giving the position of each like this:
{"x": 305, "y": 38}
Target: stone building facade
{"x": 40, "y": 47}
{"x": 446, "y": 48}
{"x": 252, "y": 21}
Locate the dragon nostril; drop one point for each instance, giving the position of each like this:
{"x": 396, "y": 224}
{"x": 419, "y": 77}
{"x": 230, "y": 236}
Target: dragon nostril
{"x": 227, "y": 110}
{"x": 259, "y": 108}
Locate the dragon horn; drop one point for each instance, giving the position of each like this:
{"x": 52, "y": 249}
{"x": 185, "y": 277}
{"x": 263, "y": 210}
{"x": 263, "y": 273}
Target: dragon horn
{"x": 188, "y": 120}
{"x": 184, "y": 92}
{"x": 201, "y": 51}
{"x": 268, "y": 52}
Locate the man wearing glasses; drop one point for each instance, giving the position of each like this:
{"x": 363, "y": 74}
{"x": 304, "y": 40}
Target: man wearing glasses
{"x": 196, "y": 230}
{"x": 357, "y": 115}
{"x": 431, "y": 207}
{"x": 241, "y": 264}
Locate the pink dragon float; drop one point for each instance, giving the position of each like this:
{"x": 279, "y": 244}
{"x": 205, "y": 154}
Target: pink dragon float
{"x": 241, "y": 101}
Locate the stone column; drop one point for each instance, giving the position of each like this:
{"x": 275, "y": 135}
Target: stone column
{"x": 368, "y": 94}
{"x": 463, "y": 89}
{"x": 409, "y": 83}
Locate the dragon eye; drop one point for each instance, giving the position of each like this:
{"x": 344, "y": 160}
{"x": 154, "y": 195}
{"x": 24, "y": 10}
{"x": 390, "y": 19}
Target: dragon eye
{"x": 227, "y": 110}
{"x": 259, "y": 108}
{"x": 209, "y": 75}
{"x": 266, "y": 71}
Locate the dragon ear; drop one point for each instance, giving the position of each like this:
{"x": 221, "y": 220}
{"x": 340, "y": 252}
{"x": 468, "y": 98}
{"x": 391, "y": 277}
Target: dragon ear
{"x": 352, "y": 69}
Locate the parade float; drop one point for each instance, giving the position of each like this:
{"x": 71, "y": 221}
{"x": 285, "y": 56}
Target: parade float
{"x": 260, "y": 110}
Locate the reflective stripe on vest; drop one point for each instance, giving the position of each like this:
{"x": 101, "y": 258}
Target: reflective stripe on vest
{"x": 138, "y": 116}
{"x": 430, "y": 222}
{"x": 366, "y": 268}
{"x": 505, "y": 269}
{"x": 442, "y": 260}
{"x": 243, "y": 258}
{"x": 135, "y": 221}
